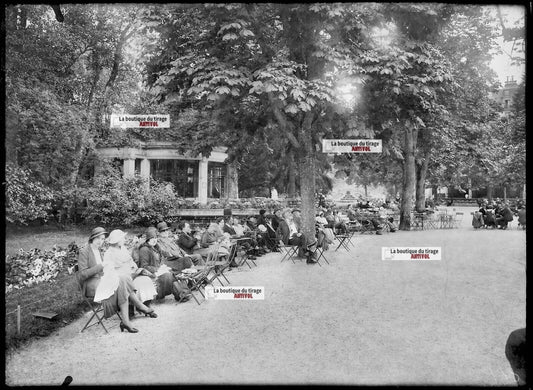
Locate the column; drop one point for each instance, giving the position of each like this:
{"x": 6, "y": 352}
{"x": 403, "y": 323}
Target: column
{"x": 145, "y": 168}
{"x": 202, "y": 181}
{"x": 145, "y": 172}
{"x": 129, "y": 167}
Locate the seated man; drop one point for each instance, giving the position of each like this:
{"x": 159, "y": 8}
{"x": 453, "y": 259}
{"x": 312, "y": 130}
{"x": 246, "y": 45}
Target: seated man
{"x": 172, "y": 254}
{"x": 186, "y": 240}
{"x": 290, "y": 235}
{"x": 504, "y": 216}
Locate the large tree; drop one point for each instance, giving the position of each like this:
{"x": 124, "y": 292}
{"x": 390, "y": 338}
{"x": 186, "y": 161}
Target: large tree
{"x": 281, "y": 61}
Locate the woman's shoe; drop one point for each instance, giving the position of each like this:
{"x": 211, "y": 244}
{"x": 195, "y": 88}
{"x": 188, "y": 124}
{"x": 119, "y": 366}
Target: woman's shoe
{"x": 124, "y": 326}
{"x": 150, "y": 313}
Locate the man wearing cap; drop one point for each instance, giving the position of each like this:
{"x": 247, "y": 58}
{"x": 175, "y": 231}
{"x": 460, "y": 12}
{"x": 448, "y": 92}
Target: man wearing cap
{"x": 290, "y": 234}
{"x": 276, "y": 219}
{"x": 171, "y": 251}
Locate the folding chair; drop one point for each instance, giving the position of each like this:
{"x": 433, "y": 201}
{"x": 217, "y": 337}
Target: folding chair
{"x": 196, "y": 281}
{"x": 417, "y": 222}
{"x": 457, "y": 219}
{"x": 289, "y": 251}
{"x": 244, "y": 257}
{"x": 319, "y": 250}
{"x": 344, "y": 241}
{"x": 96, "y": 307}
{"x": 432, "y": 221}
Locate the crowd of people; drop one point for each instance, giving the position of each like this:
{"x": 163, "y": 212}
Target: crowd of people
{"x": 497, "y": 214}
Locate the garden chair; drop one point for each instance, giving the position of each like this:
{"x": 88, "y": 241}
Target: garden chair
{"x": 96, "y": 308}
{"x": 344, "y": 241}
{"x": 244, "y": 258}
{"x": 289, "y": 251}
{"x": 456, "y": 220}
{"x": 200, "y": 278}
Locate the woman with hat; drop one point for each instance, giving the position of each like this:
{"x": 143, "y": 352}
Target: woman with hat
{"x": 120, "y": 258}
{"x": 150, "y": 258}
{"x": 114, "y": 292}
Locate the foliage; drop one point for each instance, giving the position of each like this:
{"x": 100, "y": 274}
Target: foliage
{"x": 26, "y": 198}
{"x": 126, "y": 201}
{"x": 27, "y": 268}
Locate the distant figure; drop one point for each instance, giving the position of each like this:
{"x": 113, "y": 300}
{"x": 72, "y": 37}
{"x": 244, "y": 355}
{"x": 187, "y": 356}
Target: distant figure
{"x": 515, "y": 352}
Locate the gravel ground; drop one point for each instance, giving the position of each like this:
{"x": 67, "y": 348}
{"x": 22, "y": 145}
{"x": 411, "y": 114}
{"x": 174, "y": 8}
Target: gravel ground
{"x": 360, "y": 320}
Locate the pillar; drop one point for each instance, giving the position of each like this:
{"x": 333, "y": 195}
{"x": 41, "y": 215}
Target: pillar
{"x": 129, "y": 167}
{"x": 202, "y": 181}
{"x": 145, "y": 172}
{"x": 145, "y": 168}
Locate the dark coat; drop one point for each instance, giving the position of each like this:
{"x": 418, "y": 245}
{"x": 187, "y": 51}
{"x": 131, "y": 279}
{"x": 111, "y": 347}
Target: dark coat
{"x": 187, "y": 242}
{"x": 507, "y": 214}
{"x": 228, "y": 229}
{"x": 283, "y": 232}
{"x": 89, "y": 271}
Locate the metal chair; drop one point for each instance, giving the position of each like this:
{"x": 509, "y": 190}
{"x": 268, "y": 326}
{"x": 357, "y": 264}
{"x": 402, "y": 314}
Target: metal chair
{"x": 289, "y": 251}
{"x": 457, "y": 219}
{"x": 95, "y": 307}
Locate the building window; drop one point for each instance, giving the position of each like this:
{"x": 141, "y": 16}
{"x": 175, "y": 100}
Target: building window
{"x": 216, "y": 182}
{"x": 182, "y": 173}
{"x": 138, "y": 165}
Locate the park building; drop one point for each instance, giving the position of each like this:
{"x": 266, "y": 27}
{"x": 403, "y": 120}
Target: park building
{"x": 197, "y": 178}
{"x": 505, "y": 96}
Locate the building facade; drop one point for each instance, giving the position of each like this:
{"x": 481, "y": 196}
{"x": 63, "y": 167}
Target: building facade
{"x": 505, "y": 97}
{"x": 194, "y": 177}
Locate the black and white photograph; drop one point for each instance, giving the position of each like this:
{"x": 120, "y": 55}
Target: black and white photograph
{"x": 265, "y": 194}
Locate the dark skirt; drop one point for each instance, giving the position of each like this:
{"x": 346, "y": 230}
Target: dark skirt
{"x": 164, "y": 285}
{"x": 122, "y": 293}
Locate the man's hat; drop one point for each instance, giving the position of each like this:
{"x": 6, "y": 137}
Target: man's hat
{"x": 96, "y": 232}
{"x": 162, "y": 226}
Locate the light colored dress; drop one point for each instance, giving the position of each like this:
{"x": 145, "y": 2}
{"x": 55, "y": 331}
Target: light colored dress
{"x": 122, "y": 263}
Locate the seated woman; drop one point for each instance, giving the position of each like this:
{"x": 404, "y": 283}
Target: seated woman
{"x": 214, "y": 235}
{"x": 120, "y": 258}
{"x": 104, "y": 285}
{"x": 151, "y": 260}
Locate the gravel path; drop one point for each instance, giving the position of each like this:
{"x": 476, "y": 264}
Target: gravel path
{"x": 360, "y": 320}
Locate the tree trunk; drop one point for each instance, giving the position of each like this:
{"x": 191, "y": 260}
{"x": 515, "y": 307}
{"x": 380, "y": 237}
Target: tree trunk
{"x": 505, "y": 193}
{"x": 421, "y": 173}
{"x": 409, "y": 178}
{"x": 490, "y": 190}
{"x": 306, "y": 162}
{"x": 291, "y": 187}
{"x": 366, "y": 191}
{"x": 233, "y": 181}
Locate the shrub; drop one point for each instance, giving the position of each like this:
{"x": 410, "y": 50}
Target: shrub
{"x": 26, "y": 198}
{"x": 114, "y": 200}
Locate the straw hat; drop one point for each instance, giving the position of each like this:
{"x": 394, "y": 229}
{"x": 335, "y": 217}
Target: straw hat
{"x": 97, "y": 231}
{"x": 115, "y": 236}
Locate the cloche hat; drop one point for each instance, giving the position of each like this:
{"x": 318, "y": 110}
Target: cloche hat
{"x": 96, "y": 232}
{"x": 115, "y": 236}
